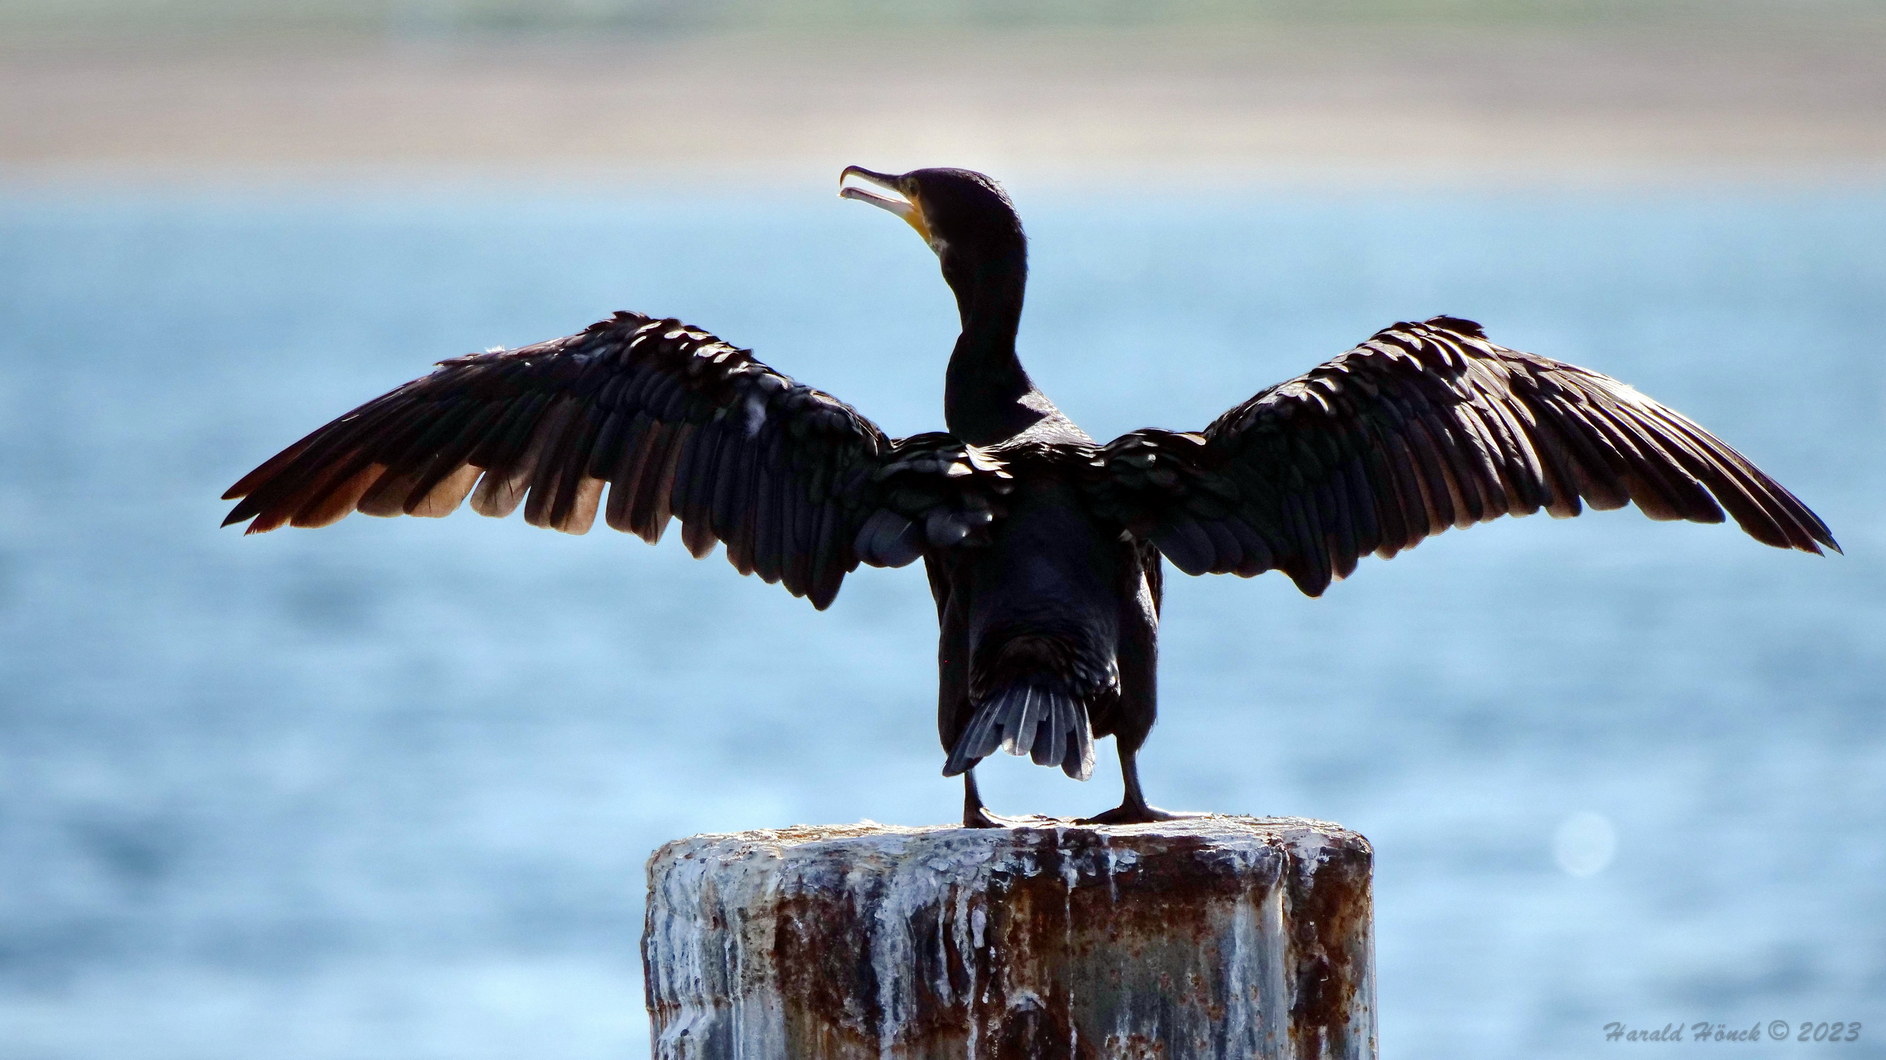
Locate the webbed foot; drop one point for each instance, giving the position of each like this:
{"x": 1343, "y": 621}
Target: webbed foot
{"x": 976, "y": 815}
{"x": 1133, "y": 808}
{"x": 1128, "y": 813}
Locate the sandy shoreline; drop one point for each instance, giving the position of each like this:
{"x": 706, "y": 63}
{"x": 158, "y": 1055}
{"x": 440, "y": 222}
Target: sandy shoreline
{"x": 1306, "y": 103}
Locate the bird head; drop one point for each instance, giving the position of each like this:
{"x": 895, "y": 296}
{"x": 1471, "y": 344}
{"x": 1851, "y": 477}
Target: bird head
{"x": 965, "y": 217}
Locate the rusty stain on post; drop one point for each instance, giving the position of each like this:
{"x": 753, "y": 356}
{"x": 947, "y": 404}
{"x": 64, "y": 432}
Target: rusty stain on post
{"x": 1217, "y": 937}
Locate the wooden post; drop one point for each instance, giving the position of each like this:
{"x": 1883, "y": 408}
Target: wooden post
{"x": 1228, "y": 937}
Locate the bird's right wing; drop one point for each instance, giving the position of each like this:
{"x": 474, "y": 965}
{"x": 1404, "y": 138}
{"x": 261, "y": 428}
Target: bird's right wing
{"x": 1423, "y": 427}
{"x": 797, "y": 484}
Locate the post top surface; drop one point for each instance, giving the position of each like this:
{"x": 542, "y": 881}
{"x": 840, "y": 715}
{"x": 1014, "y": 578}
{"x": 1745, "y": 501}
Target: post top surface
{"x": 1299, "y": 834}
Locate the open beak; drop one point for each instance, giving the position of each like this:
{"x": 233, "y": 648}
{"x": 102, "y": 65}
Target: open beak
{"x": 910, "y": 208}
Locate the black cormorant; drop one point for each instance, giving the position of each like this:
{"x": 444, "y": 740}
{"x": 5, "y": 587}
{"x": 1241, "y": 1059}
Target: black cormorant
{"x": 1043, "y": 546}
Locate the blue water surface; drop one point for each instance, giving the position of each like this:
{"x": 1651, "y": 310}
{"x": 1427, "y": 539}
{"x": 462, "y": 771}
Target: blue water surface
{"x": 384, "y": 790}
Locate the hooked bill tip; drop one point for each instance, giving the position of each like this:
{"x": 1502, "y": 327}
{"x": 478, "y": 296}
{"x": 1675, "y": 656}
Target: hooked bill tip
{"x": 882, "y": 180}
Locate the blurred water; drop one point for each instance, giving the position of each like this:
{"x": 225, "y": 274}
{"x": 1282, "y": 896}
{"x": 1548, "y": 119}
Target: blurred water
{"x": 385, "y": 790}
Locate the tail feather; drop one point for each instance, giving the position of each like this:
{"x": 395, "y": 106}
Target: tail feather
{"x": 1020, "y": 739}
{"x": 978, "y": 741}
{"x": 1027, "y": 718}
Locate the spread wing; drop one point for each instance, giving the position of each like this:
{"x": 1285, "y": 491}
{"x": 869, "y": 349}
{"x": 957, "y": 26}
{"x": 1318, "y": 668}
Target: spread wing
{"x": 676, "y": 423}
{"x": 1423, "y": 427}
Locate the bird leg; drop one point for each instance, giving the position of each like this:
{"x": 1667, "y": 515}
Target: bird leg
{"x": 1133, "y": 808}
{"x": 975, "y": 815}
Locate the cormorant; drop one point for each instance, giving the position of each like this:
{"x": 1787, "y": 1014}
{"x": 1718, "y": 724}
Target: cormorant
{"x": 1043, "y": 546}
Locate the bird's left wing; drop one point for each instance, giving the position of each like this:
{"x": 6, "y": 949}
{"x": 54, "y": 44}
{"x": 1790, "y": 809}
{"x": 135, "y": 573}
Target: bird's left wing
{"x": 797, "y": 484}
{"x": 1423, "y": 427}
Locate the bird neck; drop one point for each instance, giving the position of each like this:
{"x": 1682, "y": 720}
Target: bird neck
{"x": 985, "y": 392}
